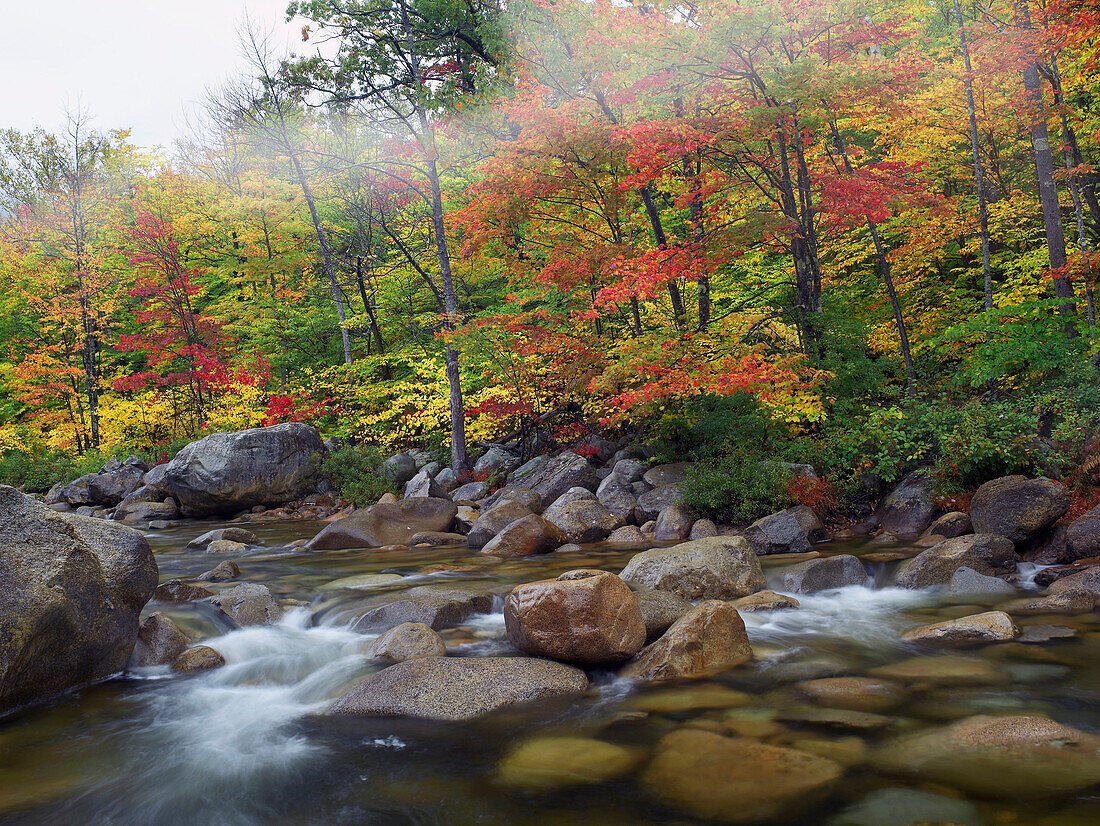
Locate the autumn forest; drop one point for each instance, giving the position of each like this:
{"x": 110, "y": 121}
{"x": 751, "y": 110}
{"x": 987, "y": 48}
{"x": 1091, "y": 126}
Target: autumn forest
{"x": 860, "y": 236}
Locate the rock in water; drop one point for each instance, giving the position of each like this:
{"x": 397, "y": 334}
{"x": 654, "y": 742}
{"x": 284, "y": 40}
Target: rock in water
{"x": 229, "y": 472}
{"x": 492, "y": 520}
{"x": 978, "y": 629}
{"x": 544, "y": 763}
{"x": 997, "y": 757}
{"x": 249, "y": 604}
{"x": 910, "y": 507}
{"x": 524, "y": 537}
{"x": 435, "y": 607}
{"x": 708, "y": 639}
{"x": 824, "y": 574}
{"x": 719, "y": 567}
{"x": 452, "y": 688}
{"x": 389, "y": 524}
{"x": 736, "y": 780}
{"x": 159, "y": 642}
{"x": 71, "y": 590}
{"x": 578, "y": 618}
{"x": 779, "y": 533}
{"x": 199, "y": 658}
{"x": 408, "y": 641}
{"x": 1018, "y": 507}
{"x": 982, "y": 552}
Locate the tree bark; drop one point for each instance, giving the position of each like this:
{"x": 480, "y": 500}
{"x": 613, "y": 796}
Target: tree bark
{"x": 661, "y": 241}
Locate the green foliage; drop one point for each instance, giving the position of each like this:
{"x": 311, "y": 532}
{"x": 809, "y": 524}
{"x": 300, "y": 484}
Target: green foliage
{"x": 709, "y": 427}
{"x": 354, "y": 474}
{"x": 736, "y": 489}
{"x": 36, "y": 471}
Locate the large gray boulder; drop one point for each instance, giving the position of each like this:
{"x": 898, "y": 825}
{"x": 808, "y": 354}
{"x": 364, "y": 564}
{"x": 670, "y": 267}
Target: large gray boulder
{"x": 718, "y": 567}
{"x": 910, "y": 507}
{"x": 670, "y": 474}
{"x": 560, "y": 474}
{"x": 618, "y": 497}
{"x": 390, "y": 524}
{"x": 779, "y": 533}
{"x": 398, "y": 469}
{"x": 651, "y": 503}
{"x": 1083, "y": 535}
{"x": 109, "y": 487}
{"x": 1018, "y": 507}
{"x": 495, "y": 460}
{"x": 424, "y": 484}
{"x": 982, "y": 552}
{"x": 71, "y": 591}
{"x": 228, "y": 472}
{"x": 435, "y": 607}
{"x": 492, "y": 520}
{"x": 451, "y": 688}
{"x": 249, "y": 604}
{"x": 824, "y": 574}
{"x": 579, "y": 515}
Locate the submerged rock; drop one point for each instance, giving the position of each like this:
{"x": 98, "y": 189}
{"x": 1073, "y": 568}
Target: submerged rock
{"x": 229, "y": 472}
{"x": 1018, "y": 507}
{"x": 408, "y": 641}
{"x": 977, "y": 629}
{"x": 245, "y": 537}
{"x": 199, "y": 658}
{"x": 708, "y": 639}
{"x": 999, "y": 757}
{"x": 720, "y": 567}
{"x": 176, "y": 590}
{"x": 587, "y": 619}
{"x": 71, "y": 590}
{"x": 545, "y": 763}
{"x": 941, "y": 672}
{"x": 450, "y": 688}
{"x": 388, "y": 524}
{"x": 854, "y": 693}
{"x": 736, "y": 780}
{"x": 1068, "y": 601}
{"x": 904, "y": 807}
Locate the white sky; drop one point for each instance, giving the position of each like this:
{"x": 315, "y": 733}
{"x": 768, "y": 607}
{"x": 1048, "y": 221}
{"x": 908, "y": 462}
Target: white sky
{"x": 130, "y": 63}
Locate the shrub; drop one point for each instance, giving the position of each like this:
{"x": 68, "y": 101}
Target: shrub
{"x": 709, "y": 427}
{"x": 354, "y": 473}
{"x": 36, "y": 471}
{"x": 736, "y": 489}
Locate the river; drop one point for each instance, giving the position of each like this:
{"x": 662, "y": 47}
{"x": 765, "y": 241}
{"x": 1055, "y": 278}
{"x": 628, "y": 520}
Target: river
{"x": 247, "y": 743}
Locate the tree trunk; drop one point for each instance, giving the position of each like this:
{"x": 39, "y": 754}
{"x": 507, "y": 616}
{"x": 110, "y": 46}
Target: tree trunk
{"x": 661, "y": 241}
{"x": 979, "y": 174}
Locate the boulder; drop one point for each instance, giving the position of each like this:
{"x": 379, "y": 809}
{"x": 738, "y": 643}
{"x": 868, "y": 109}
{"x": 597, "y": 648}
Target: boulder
{"x": 424, "y": 484}
{"x": 941, "y": 671}
{"x": 968, "y": 581}
{"x": 159, "y": 642}
{"x": 546, "y": 763}
{"x": 407, "y": 641}
{"x": 703, "y": 529}
{"x": 910, "y": 507}
{"x": 660, "y": 609}
{"x": 446, "y": 479}
{"x": 985, "y": 553}
{"x": 226, "y": 571}
{"x": 241, "y": 535}
{"x": 154, "y": 478}
{"x": 998, "y": 757}
{"x": 199, "y": 658}
{"x": 674, "y": 524}
{"x": 581, "y": 517}
{"x": 765, "y": 601}
{"x": 1018, "y": 507}
{"x": 627, "y": 535}
{"x": 71, "y": 590}
{"x": 390, "y": 524}
{"x": 470, "y": 492}
{"x": 225, "y": 546}
{"x": 451, "y": 688}
{"x": 825, "y": 573}
{"x": 950, "y": 525}
{"x": 737, "y": 779}
{"x": 708, "y": 639}
{"x": 492, "y": 520}
{"x": 1088, "y": 579}
{"x": 651, "y": 503}
{"x": 779, "y": 533}
{"x": 230, "y": 472}
{"x": 671, "y": 474}
{"x": 977, "y": 629}
{"x": 628, "y": 471}
{"x": 854, "y": 693}
{"x": 248, "y": 604}
{"x": 466, "y": 518}
{"x": 437, "y": 538}
{"x": 524, "y": 471}
{"x": 176, "y": 590}
{"x": 524, "y": 537}
{"x": 398, "y": 469}
{"x": 111, "y": 487}
{"x": 596, "y": 447}
{"x": 1068, "y": 601}
{"x": 495, "y": 459}
{"x": 1052, "y": 548}
{"x": 590, "y": 619}
{"x": 560, "y": 474}
{"x": 720, "y": 567}
{"x": 618, "y": 497}
{"x": 75, "y": 493}
{"x": 904, "y": 807}
{"x": 1083, "y": 536}
{"x": 811, "y": 523}
{"x": 435, "y": 607}
{"x": 138, "y": 512}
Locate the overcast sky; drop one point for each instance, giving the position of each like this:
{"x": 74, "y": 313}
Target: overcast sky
{"x": 135, "y": 63}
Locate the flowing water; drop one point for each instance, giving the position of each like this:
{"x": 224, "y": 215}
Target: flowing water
{"x": 249, "y": 744}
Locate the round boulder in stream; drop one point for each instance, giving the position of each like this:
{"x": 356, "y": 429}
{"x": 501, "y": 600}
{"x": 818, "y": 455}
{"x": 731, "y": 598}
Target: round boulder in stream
{"x": 982, "y": 552}
{"x": 585, "y": 617}
{"x": 228, "y": 472}
{"x": 708, "y": 639}
{"x": 1018, "y": 507}
{"x": 718, "y": 567}
{"x": 390, "y": 524}
{"x": 824, "y": 574}
{"x": 71, "y": 590}
{"x": 451, "y": 688}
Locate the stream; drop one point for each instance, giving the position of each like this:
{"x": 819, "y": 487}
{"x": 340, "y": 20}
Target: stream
{"x": 247, "y": 743}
